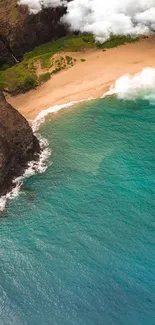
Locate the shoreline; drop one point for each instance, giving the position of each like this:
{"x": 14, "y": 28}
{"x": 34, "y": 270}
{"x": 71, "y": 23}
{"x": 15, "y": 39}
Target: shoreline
{"x": 89, "y": 79}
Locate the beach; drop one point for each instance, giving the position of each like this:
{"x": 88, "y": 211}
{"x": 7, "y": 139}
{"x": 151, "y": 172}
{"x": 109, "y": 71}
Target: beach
{"x": 88, "y": 79}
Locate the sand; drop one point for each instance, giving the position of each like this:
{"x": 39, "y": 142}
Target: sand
{"x": 91, "y": 78}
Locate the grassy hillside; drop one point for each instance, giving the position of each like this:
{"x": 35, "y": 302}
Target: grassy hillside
{"x": 23, "y": 77}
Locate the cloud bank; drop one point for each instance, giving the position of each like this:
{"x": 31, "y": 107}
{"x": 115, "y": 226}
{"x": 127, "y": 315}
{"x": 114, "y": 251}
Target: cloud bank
{"x": 141, "y": 85}
{"x": 104, "y": 17}
{"x": 36, "y": 5}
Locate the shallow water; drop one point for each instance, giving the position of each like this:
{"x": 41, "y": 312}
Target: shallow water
{"x": 78, "y": 245}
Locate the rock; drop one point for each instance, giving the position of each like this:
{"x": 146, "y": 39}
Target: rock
{"x": 18, "y": 145}
{"x": 22, "y": 31}
{"x": 5, "y": 56}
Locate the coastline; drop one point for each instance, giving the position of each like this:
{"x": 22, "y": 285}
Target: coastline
{"x": 89, "y": 79}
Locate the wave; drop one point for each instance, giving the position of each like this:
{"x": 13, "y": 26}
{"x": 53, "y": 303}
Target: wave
{"x": 127, "y": 87}
{"x": 33, "y": 167}
{"x": 141, "y": 85}
{"x": 40, "y": 166}
{"x": 54, "y": 109}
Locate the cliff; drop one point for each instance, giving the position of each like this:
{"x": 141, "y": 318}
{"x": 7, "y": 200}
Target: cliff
{"x": 21, "y": 31}
{"x": 18, "y": 145}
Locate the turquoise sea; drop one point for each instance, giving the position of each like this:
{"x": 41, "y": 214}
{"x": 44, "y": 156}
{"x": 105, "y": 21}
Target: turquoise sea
{"x": 77, "y": 246}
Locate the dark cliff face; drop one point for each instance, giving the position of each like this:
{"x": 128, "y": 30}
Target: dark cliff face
{"x": 38, "y": 29}
{"x": 5, "y": 55}
{"x": 21, "y": 31}
{"x": 18, "y": 145}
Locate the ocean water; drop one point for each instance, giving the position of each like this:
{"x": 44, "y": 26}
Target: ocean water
{"x": 77, "y": 246}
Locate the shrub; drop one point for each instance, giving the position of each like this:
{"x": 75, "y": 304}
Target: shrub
{"x": 20, "y": 77}
{"x": 2, "y": 81}
{"x": 56, "y": 70}
{"x": 45, "y": 61}
{"x": 5, "y": 66}
{"x": 116, "y": 40}
{"x": 68, "y": 59}
{"x": 88, "y": 38}
{"x": 30, "y": 82}
{"x": 44, "y": 77}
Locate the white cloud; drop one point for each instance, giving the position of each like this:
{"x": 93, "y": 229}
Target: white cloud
{"x": 103, "y": 17}
{"x": 36, "y": 5}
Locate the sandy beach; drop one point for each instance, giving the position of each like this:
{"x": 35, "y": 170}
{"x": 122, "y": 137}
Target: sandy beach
{"x": 91, "y": 78}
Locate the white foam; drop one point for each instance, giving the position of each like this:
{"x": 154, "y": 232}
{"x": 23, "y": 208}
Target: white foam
{"x": 33, "y": 168}
{"x": 41, "y": 165}
{"x": 128, "y": 87}
{"x": 54, "y": 109}
{"x": 10, "y": 195}
{"x": 140, "y": 85}
{"x": 42, "y": 115}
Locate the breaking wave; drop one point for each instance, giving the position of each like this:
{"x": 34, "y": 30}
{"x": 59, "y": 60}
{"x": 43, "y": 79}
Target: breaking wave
{"x": 141, "y": 85}
{"x": 128, "y": 87}
{"x": 33, "y": 167}
{"x": 40, "y": 166}
{"x": 54, "y": 109}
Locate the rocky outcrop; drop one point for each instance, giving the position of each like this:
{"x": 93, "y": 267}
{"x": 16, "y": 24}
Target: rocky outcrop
{"x": 18, "y": 145}
{"x": 5, "y": 55}
{"x": 21, "y": 31}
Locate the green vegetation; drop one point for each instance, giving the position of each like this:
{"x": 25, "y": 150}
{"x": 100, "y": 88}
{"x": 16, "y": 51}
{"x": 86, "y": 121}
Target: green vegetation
{"x": 82, "y": 60}
{"x": 117, "y": 40}
{"x": 44, "y": 77}
{"x": 56, "y": 70}
{"x": 45, "y": 61}
{"x": 5, "y": 66}
{"x": 2, "y": 86}
{"x": 19, "y": 78}
{"x": 69, "y": 43}
{"x": 69, "y": 60}
{"x": 62, "y": 63}
{"x": 22, "y": 76}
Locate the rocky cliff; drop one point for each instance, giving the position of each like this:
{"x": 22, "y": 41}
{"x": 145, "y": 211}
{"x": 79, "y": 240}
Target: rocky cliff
{"x": 5, "y": 55}
{"x": 21, "y": 31}
{"x": 18, "y": 145}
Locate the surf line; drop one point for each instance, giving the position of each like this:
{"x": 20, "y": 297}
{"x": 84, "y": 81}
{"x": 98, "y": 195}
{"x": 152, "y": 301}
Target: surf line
{"x": 33, "y": 168}
{"x": 40, "y": 166}
{"x": 40, "y": 118}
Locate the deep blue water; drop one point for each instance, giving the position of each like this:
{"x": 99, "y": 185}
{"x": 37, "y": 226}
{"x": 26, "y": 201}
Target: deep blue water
{"x": 77, "y": 246}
